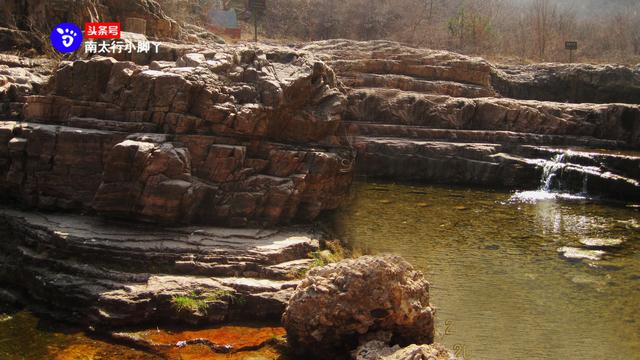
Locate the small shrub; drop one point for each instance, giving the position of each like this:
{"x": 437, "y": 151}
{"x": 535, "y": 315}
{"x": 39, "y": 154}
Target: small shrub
{"x": 190, "y": 302}
{"x": 200, "y": 302}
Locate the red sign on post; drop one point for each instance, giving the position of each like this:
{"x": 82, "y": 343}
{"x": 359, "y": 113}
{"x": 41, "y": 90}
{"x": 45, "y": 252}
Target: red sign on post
{"x": 102, "y": 30}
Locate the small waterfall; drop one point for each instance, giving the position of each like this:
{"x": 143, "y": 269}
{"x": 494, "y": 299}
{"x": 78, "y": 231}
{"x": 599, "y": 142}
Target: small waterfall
{"x": 552, "y": 185}
{"x": 550, "y": 172}
{"x": 585, "y": 185}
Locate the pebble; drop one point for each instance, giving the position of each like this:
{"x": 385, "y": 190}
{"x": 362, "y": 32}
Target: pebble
{"x": 572, "y": 253}
{"x": 597, "y": 243}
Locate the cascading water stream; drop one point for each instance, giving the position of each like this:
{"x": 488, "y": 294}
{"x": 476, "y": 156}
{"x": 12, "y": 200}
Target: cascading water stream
{"x": 551, "y": 185}
{"x": 550, "y": 172}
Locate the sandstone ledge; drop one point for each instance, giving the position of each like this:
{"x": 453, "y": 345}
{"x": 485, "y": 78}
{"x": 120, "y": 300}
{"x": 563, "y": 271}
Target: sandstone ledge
{"x": 107, "y": 274}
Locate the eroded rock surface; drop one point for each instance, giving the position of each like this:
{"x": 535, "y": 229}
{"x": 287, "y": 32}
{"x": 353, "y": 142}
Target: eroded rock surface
{"x": 108, "y": 274}
{"x": 336, "y": 304}
{"x": 436, "y": 116}
{"x": 21, "y": 77}
{"x": 234, "y": 136}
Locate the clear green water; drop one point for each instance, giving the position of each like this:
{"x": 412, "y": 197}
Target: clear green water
{"x": 500, "y": 287}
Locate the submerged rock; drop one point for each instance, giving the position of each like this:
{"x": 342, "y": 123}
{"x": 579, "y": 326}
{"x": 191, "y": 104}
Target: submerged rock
{"x": 598, "y": 243}
{"x": 338, "y": 303}
{"x": 572, "y": 253}
{"x": 378, "y": 350}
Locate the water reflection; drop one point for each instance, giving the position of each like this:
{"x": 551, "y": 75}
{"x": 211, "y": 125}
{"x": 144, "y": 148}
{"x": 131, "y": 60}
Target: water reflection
{"x": 497, "y": 274}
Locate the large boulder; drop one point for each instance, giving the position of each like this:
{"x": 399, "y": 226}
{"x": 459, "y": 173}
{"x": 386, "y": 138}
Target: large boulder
{"x": 337, "y": 304}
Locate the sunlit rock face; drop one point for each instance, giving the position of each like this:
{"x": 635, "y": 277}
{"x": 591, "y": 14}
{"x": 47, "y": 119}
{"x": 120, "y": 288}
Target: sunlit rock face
{"x": 437, "y": 116}
{"x": 21, "y": 77}
{"x": 233, "y": 136}
{"x": 337, "y": 304}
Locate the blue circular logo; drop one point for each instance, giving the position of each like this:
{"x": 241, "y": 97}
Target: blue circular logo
{"x": 66, "y": 37}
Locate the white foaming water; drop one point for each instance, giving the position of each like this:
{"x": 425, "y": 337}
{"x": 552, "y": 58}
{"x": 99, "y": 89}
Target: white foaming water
{"x": 543, "y": 195}
{"x": 550, "y": 172}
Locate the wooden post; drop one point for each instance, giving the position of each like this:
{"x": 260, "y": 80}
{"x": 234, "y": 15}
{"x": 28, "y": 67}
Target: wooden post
{"x": 571, "y": 46}
{"x": 257, "y": 7}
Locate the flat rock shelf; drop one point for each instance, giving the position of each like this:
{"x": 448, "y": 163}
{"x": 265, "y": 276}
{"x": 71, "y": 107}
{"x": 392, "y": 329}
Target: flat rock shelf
{"x": 115, "y": 274}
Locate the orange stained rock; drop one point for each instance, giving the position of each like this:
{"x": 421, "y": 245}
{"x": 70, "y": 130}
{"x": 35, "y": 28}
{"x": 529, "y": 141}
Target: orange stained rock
{"x": 236, "y": 336}
{"x": 203, "y": 352}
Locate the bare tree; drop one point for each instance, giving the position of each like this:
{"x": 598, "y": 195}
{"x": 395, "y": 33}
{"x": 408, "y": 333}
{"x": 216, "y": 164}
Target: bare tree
{"x": 541, "y": 14}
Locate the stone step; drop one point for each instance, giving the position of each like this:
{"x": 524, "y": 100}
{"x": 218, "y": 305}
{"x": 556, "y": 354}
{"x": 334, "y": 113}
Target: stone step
{"x": 137, "y": 249}
{"x": 415, "y": 84}
{"x": 380, "y": 129}
{"x": 116, "y": 274}
{"x": 616, "y": 122}
{"x": 111, "y": 125}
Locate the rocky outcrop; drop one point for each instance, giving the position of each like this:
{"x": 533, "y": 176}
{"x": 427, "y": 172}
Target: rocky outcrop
{"x": 336, "y": 304}
{"x": 427, "y": 115}
{"x": 387, "y": 64}
{"x": 111, "y": 274}
{"x": 232, "y": 136}
{"x": 21, "y": 77}
{"x": 574, "y": 83}
{"x": 618, "y": 122}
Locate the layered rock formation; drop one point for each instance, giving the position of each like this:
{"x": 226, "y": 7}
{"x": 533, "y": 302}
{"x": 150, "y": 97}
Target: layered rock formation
{"x": 238, "y": 136}
{"x": 109, "y": 274}
{"x": 225, "y": 136}
{"x": 426, "y": 115}
{"x": 21, "y": 77}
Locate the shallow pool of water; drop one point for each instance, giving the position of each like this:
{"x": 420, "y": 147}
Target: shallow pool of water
{"x": 25, "y": 337}
{"x": 501, "y": 288}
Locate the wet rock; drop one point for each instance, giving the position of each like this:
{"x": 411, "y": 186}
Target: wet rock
{"x": 572, "y": 253}
{"x": 601, "y": 243}
{"x": 378, "y": 350}
{"x": 338, "y": 303}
